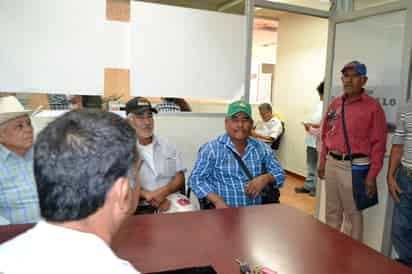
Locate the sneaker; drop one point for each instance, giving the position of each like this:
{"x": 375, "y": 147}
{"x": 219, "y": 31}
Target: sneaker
{"x": 301, "y": 190}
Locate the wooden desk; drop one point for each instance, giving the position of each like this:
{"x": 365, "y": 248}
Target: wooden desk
{"x": 276, "y": 236}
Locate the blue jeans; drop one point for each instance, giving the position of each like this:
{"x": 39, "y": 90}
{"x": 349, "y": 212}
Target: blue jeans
{"x": 312, "y": 164}
{"x": 402, "y": 219}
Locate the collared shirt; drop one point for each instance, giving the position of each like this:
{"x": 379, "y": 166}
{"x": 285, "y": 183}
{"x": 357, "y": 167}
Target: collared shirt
{"x": 316, "y": 118}
{"x": 19, "y": 201}
{"x": 50, "y": 249}
{"x": 366, "y": 126}
{"x": 272, "y": 128}
{"x": 217, "y": 171}
{"x": 167, "y": 161}
{"x": 403, "y": 133}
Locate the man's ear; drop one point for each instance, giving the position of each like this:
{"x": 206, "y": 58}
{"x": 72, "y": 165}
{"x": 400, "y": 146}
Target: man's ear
{"x": 365, "y": 80}
{"x": 121, "y": 193}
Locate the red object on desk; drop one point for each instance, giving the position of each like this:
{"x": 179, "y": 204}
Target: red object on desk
{"x": 276, "y": 236}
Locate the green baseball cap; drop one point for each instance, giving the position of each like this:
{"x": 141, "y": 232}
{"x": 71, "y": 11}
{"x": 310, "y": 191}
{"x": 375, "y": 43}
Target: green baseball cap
{"x": 239, "y": 106}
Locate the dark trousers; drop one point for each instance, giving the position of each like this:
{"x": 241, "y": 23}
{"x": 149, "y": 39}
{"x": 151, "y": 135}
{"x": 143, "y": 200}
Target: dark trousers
{"x": 402, "y": 219}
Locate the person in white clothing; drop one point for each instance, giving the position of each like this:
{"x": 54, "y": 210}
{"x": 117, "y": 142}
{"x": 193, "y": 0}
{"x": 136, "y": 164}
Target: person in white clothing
{"x": 85, "y": 165}
{"x": 271, "y": 127}
{"x": 312, "y": 128}
{"x": 162, "y": 174}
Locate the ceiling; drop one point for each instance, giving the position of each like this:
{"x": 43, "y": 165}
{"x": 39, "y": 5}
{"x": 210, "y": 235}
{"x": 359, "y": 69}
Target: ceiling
{"x": 228, "y": 6}
{"x": 237, "y": 6}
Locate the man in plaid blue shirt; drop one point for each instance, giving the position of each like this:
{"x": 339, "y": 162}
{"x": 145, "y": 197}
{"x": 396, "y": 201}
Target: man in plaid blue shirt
{"x": 217, "y": 174}
{"x": 18, "y": 193}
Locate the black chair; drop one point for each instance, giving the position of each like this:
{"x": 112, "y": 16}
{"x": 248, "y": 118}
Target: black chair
{"x": 276, "y": 143}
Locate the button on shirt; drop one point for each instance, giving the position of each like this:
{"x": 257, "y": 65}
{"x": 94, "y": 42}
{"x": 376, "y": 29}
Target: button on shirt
{"x": 217, "y": 170}
{"x": 51, "y": 249}
{"x": 403, "y": 133}
{"x": 366, "y": 125}
{"x": 19, "y": 201}
{"x": 161, "y": 169}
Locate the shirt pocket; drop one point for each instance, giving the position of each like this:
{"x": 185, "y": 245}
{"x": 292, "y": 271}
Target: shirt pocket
{"x": 167, "y": 165}
{"x": 17, "y": 191}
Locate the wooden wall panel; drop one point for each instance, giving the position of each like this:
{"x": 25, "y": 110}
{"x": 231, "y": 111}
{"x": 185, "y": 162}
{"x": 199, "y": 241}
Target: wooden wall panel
{"x": 36, "y": 100}
{"x": 117, "y": 83}
{"x": 118, "y": 10}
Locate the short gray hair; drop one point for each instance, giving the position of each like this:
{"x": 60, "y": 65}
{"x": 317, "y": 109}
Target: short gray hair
{"x": 265, "y": 107}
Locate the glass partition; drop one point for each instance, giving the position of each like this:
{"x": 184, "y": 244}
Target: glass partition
{"x": 363, "y": 4}
{"x": 314, "y": 4}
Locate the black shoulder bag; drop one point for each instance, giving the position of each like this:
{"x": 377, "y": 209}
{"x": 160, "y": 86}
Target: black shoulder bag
{"x": 359, "y": 174}
{"x": 270, "y": 195}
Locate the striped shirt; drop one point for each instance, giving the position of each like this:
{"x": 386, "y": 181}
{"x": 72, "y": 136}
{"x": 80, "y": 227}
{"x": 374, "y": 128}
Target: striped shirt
{"x": 403, "y": 133}
{"x": 19, "y": 201}
{"x": 217, "y": 170}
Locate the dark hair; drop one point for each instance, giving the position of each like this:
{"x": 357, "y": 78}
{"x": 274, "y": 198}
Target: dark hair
{"x": 321, "y": 88}
{"x": 92, "y": 101}
{"x": 265, "y": 107}
{"x": 77, "y": 158}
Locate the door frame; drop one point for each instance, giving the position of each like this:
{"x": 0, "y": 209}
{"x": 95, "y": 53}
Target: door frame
{"x": 336, "y": 16}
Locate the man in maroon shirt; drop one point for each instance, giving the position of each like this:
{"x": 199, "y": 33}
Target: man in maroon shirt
{"x": 366, "y": 126}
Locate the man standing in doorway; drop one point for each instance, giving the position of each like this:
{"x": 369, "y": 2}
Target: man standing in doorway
{"x": 399, "y": 180}
{"x": 366, "y": 127}
{"x": 312, "y": 129}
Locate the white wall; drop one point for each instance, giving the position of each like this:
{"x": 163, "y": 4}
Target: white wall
{"x": 301, "y": 59}
{"x": 186, "y": 52}
{"x": 56, "y": 46}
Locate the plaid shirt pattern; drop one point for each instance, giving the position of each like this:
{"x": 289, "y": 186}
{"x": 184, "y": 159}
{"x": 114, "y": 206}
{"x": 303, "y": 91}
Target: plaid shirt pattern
{"x": 217, "y": 170}
{"x": 19, "y": 201}
{"x": 168, "y": 107}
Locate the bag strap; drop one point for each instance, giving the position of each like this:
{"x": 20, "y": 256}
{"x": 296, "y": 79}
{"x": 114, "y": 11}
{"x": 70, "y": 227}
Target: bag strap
{"x": 242, "y": 164}
{"x": 345, "y": 132}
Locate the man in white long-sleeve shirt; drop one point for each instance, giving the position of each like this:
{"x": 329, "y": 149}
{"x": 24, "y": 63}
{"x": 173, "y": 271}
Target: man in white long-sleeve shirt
{"x": 271, "y": 127}
{"x": 312, "y": 128}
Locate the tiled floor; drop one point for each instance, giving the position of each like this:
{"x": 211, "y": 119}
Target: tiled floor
{"x": 288, "y": 196}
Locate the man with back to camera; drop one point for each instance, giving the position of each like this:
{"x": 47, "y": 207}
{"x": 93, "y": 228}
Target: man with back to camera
{"x": 366, "y": 126}
{"x": 217, "y": 174}
{"x": 162, "y": 172}
{"x": 85, "y": 165}
{"x": 19, "y": 203}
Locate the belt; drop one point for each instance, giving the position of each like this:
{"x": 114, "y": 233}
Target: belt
{"x": 345, "y": 157}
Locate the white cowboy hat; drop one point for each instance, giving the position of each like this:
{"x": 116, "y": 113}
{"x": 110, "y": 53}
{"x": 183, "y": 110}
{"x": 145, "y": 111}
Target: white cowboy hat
{"x": 11, "y": 108}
